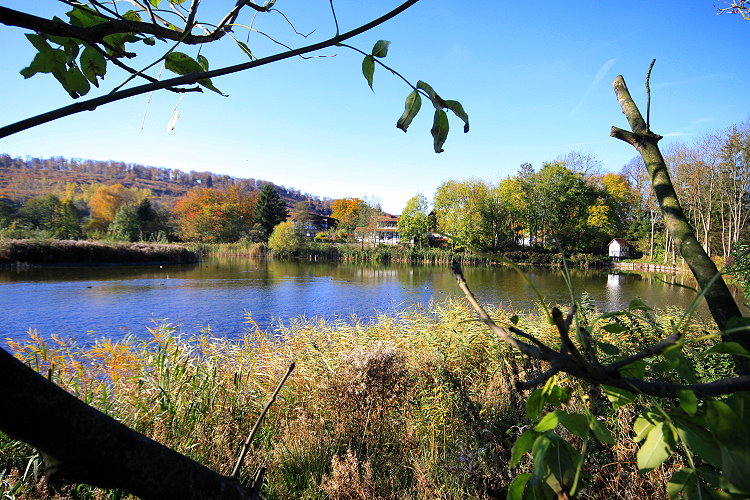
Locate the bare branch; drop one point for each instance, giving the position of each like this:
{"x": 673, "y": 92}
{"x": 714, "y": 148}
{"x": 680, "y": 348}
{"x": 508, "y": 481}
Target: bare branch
{"x": 652, "y": 350}
{"x": 578, "y": 367}
{"x": 538, "y": 380}
{"x": 249, "y": 440}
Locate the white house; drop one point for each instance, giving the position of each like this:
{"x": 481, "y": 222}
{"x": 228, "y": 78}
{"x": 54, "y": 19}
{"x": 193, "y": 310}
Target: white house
{"x": 619, "y": 248}
{"x": 382, "y": 230}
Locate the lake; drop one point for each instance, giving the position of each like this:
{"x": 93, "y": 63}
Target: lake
{"x": 219, "y": 293}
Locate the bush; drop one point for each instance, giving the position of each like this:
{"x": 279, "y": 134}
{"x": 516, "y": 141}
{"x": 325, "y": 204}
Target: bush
{"x": 284, "y": 239}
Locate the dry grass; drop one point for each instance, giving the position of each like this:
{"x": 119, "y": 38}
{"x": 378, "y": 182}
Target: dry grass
{"x": 14, "y": 252}
{"x": 418, "y": 404}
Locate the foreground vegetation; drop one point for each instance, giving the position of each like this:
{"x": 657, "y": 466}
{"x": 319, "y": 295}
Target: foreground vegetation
{"x": 418, "y": 404}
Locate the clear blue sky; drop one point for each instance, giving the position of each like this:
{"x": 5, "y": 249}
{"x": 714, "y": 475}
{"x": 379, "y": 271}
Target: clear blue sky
{"x": 535, "y": 79}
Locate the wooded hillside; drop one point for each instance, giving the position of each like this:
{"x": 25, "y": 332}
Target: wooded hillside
{"x": 25, "y": 178}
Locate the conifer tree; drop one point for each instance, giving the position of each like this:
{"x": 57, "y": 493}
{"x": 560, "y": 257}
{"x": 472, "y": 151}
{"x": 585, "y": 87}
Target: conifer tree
{"x": 270, "y": 209}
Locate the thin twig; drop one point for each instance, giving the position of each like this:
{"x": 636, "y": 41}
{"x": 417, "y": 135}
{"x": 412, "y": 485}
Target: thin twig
{"x": 249, "y": 440}
{"x": 652, "y": 350}
{"x": 648, "y": 94}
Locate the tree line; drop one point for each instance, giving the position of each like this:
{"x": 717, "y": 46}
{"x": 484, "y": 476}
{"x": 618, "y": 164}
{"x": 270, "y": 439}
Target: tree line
{"x": 570, "y": 204}
{"x": 115, "y": 212}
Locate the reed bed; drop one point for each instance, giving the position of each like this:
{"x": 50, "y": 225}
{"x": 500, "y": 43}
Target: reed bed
{"x": 17, "y": 252}
{"x": 415, "y": 404}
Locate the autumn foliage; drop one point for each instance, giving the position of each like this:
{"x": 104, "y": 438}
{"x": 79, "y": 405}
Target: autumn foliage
{"x": 346, "y": 210}
{"x": 212, "y": 215}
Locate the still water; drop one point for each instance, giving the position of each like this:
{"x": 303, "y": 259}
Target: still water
{"x": 220, "y": 293}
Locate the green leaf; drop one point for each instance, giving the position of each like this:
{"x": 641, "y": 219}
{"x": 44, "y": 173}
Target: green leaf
{"x": 609, "y": 349}
{"x": 381, "y": 48}
{"x": 699, "y": 440}
{"x": 644, "y": 424}
{"x": 368, "y": 69}
{"x": 722, "y": 421}
{"x": 437, "y": 101}
{"x": 514, "y": 319}
{"x": 618, "y": 397}
{"x": 638, "y": 305}
{"x": 84, "y": 17}
{"x": 739, "y": 402}
{"x": 245, "y": 49}
{"x": 636, "y": 369}
{"x": 132, "y": 15}
{"x": 575, "y": 423}
{"x": 679, "y": 481}
{"x": 75, "y": 83}
{"x": 516, "y": 487}
{"x": 548, "y": 422}
{"x": 203, "y": 62}
{"x": 149, "y": 41}
{"x": 93, "y": 65}
{"x": 655, "y": 450}
{"x": 522, "y": 446}
{"x": 413, "y": 103}
{"x": 614, "y": 328}
{"x": 439, "y": 129}
{"x": 39, "y": 43}
{"x": 458, "y": 110}
{"x": 735, "y": 466}
{"x": 688, "y": 401}
{"x": 183, "y": 64}
{"x": 48, "y": 61}
{"x": 732, "y": 348}
{"x": 539, "y": 451}
{"x": 561, "y": 459}
{"x": 601, "y": 432}
{"x": 535, "y": 404}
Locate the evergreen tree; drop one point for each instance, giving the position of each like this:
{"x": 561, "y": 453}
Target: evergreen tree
{"x": 270, "y": 209}
{"x": 125, "y": 226}
{"x": 67, "y": 225}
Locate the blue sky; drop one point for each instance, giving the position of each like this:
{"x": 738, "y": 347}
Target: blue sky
{"x": 534, "y": 78}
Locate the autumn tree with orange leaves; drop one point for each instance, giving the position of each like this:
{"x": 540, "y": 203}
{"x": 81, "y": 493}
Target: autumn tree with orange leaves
{"x": 347, "y": 210}
{"x": 215, "y": 216}
{"x": 107, "y": 200}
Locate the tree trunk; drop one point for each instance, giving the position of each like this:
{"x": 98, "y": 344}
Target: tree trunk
{"x": 82, "y": 445}
{"x": 719, "y": 299}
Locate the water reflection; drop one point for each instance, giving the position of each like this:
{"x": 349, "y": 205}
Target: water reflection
{"x": 217, "y": 293}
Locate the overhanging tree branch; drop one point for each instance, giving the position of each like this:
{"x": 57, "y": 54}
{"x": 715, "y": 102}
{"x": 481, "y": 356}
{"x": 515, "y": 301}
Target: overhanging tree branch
{"x": 718, "y": 297}
{"x": 82, "y": 445}
{"x": 91, "y": 104}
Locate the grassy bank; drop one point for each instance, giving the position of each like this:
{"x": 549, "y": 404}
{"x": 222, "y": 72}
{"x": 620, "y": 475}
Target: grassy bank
{"x": 48, "y": 252}
{"x": 385, "y": 254}
{"x": 418, "y": 404}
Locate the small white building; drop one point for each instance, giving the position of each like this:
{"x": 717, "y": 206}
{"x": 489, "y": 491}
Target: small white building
{"x": 619, "y": 248}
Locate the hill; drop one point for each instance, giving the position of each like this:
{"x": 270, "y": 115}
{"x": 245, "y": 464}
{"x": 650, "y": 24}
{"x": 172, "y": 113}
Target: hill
{"x": 24, "y": 178}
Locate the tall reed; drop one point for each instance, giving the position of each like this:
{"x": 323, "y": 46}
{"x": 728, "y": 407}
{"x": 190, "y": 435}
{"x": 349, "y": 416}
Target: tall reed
{"x": 414, "y": 404}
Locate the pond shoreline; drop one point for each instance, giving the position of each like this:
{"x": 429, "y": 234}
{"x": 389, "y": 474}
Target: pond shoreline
{"x": 79, "y": 253}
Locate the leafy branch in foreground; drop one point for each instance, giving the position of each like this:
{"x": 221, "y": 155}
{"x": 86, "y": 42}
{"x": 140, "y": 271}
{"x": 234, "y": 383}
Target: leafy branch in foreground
{"x": 77, "y": 53}
{"x": 584, "y": 363}
{"x": 705, "y": 428}
{"x": 440, "y": 125}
